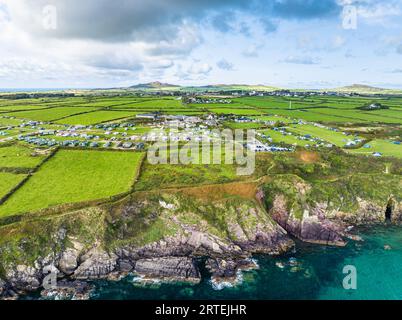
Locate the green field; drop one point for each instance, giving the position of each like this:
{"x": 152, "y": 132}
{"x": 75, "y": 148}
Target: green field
{"x": 359, "y": 116}
{"x": 96, "y": 117}
{"x": 246, "y": 125}
{"x": 152, "y": 104}
{"x": 8, "y": 108}
{"x": 337, "y": 138}
{"x": 4, "y": 122}
{"x": 8, "y": 181}
{"x": 243, "y": 112}
{"x": 387, "y": 148}
{"x": 49, "y": 114}
{"x": 173, "y": 176}
{"x": 311, "y": 116}
{"x": 73, "y": 176}
{"x": 278, "y": 137}
{"x": 18, "y": 156}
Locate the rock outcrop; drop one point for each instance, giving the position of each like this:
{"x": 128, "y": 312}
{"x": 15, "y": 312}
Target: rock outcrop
{"x": 311, "y": 227}
{"x": 95, "y": 264}
{"x": 169, "y": 268}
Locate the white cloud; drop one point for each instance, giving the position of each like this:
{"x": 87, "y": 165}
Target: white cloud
{"x": 252, "y": 51}
{"x": 225, "y": 65}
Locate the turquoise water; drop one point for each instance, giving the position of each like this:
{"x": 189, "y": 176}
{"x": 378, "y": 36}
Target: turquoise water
{"x": 311, "y": 272}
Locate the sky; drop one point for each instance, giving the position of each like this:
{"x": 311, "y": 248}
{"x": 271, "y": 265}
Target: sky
{"x": 281, "y": 43}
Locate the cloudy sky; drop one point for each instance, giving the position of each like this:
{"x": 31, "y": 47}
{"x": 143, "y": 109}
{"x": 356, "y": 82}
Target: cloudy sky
{"x": 288, "y": 43}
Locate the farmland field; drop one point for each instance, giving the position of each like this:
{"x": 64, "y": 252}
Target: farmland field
{"x": 17, "y": 156}
{"x": 152, "y": 104}
{"x": 8, "y": 108}
{"x": 96, "y": 117}
{"x": 73, "y": 176}
{"x": 244, "y": 112}
{"x": 9, "y": 122}
{"x": 358, "y": 116}
{"x": 8, "y": 181}
{"x": 50, "y": 114}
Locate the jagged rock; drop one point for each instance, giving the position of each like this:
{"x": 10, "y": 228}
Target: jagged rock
{"x": 174, "y": 268}
{"x": 312, "y": 227}
{"x": 222, "y": 268}
{"x": 69, "y": 261}
{"x": 125, "y": 266}
{"x": 24, "y": 278}
{"x": 67, "y": 290}
{"x": 321, "y": 231}
{"x": 95, "y": 264}
{"x": 226, "y": 273}
{"x": 2, "y": 287}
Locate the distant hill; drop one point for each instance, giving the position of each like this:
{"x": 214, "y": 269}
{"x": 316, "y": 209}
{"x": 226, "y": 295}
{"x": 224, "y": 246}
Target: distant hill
{"x": 156, "y": 85}
{"x": 362, "y": 89}
{"x": 159, "y": 86}
{"x": 234, "y": 87}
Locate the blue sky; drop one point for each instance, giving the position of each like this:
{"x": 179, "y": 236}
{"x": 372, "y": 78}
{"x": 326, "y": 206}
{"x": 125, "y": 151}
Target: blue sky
{"x": 286, "y": 43}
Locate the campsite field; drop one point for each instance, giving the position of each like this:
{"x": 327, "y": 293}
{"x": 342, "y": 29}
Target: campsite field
{"x": 73, "y": 176}
{"x": 278, "y": 137}
{"x": 332, "y": 136}
{"x": 385, "y": 147}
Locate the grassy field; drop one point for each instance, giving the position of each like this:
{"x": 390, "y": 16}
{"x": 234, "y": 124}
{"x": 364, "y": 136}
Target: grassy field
{"x": 8, "y": 181}
{"x": 173, "y": 176}
{"x": 152, "y": 104}
{"x": 73, "y": 176}
{"x": 311, "y": 116}
{"x": 8, "y": 108}
{"x": 96, "y": 117}
{"x": 359, "y": 116}
{"x": 18, "y": 156}
{"x": 337, "y": 138}
{"x": 278, "y": 137}
{"x": 50, "y": 114}
{"x": 4, "y": 122}
{"x": 387, "y": 148}
{"x": 243, "y": 112}
{"x": 247, "y": 125}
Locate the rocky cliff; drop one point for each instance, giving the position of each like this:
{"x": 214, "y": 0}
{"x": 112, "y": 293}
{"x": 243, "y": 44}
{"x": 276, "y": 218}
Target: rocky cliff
{"x": 164, "y": 235}
{"x": 156, "y": 237}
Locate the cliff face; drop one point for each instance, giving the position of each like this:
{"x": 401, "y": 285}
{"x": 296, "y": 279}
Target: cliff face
{"x": 323, "y": 211}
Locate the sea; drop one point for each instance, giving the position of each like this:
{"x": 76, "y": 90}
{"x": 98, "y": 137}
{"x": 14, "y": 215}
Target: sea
{"x": 362, "y": 270}
{"x": 367, "y": 269}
